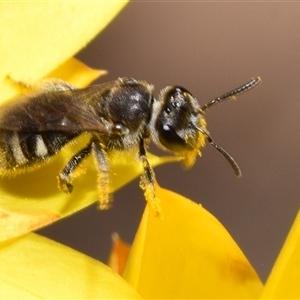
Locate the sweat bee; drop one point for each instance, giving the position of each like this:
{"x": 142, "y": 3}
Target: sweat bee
{"x": 118, "y": 115}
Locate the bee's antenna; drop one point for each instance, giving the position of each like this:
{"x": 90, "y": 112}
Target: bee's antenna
{"x": 232, "y": 94}
{"x": 225, "y": 154}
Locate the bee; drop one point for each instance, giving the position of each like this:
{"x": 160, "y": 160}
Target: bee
{"x": 120, "y": 115}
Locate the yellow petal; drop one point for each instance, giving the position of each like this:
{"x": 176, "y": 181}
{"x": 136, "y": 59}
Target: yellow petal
{"x": 33, "y": 267}
{"x": 76, "y": 73}
{"x": 38, "y": 37}
{"x": 283, "y": 282}
{"x": 187, "y": 254}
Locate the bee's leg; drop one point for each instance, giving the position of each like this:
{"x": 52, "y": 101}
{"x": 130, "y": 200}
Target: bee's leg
{"x": 66, "y": 176}
{"x": 103, "y": 175}
{"x": 148, "y": 181}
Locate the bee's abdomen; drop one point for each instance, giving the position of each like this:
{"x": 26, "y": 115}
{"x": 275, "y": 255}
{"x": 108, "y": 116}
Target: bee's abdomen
{"x": 22, "y": 149}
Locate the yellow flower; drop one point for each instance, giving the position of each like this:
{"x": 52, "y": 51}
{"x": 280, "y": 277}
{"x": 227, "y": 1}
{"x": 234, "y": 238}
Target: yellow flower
{"x": 185, "y": 253}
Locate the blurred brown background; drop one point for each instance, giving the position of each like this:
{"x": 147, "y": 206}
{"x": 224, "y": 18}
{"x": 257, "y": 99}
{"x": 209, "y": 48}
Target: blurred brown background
{"x": 211, "y": 48}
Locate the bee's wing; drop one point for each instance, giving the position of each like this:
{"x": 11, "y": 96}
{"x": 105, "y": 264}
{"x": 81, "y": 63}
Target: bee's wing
{"x": 65, "y": 110}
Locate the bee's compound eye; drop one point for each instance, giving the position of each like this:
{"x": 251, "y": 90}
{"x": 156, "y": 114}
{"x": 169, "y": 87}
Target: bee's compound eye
{"x": 170, "y": 139}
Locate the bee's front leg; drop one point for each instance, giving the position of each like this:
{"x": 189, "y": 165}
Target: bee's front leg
{"x": 148, "y": 181}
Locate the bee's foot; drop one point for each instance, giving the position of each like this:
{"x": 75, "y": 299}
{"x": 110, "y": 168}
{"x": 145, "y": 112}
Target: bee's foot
{"x": 65, "y": 186}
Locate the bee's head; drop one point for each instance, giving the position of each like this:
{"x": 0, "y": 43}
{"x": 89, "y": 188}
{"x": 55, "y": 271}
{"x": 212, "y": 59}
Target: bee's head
{"x": 176, "y": 119}
{"x": 177, "y": 125}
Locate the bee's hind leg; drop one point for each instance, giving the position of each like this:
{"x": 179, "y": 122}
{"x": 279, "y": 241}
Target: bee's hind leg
{"x": 67, "y": 175}
{"x": 103, "y": 175}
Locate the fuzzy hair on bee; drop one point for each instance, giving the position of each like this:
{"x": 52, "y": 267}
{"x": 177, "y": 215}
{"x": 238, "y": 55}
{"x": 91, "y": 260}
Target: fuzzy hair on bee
{"x": 120, "y": 115}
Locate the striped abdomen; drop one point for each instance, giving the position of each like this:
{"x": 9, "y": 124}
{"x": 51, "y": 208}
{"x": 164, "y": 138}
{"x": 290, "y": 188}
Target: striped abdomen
{"x": 23, "y": 149}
